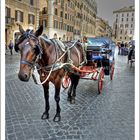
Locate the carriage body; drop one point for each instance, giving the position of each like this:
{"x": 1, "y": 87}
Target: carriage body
{"x": 100, "y": 61}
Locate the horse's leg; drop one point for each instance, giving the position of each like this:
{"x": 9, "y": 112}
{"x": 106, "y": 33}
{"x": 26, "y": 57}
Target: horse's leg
{"x": 46, "y": 96}
{"x": 70, "y": 91}
{"x": 57, "y": 116}
{"x": 75, "y": 83}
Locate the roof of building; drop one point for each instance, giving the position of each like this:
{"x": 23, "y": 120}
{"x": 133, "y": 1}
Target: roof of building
{"x": 125, "y": 9}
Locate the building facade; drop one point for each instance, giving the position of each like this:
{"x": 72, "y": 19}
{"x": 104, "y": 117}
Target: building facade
{"x": 100, "y": 27}
{"x": 68, "y": 19}
{"x": 109, "y": 30}
{"x": 25, "y": 12}
{"x": 124, "y": 24}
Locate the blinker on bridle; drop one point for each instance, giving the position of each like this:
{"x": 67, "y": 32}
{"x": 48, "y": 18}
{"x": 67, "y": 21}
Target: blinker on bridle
{"x": 38, "y": 49}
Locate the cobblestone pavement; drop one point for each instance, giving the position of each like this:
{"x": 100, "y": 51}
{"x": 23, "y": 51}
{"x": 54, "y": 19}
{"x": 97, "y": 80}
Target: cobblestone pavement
{"x": 109, "y": 116}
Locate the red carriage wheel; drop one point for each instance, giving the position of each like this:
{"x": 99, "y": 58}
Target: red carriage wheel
{"x": 112, "y": 71}
{"x": 66, "y": 82}
{"x": 100, "y": 80}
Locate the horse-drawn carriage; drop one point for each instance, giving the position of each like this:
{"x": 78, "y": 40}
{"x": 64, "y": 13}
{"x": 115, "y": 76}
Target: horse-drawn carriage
{"x": 100, "y": 62}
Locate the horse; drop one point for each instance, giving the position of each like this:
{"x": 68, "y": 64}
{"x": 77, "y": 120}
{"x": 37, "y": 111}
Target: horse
{"x": 48, "y": 55}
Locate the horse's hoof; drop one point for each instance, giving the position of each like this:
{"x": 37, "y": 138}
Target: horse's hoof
{"x": 69, "y": 99}
{"x": 45, "y": 116}
{"x": 57, "y": 118}
{"x": 72, "y": 101}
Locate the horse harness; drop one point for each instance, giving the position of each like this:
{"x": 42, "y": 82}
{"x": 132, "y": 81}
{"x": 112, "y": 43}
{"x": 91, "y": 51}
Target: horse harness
{"x": 38, "y": 50}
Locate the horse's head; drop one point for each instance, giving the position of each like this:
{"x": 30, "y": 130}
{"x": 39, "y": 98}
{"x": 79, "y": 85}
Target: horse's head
{"x": 29, "y": 48}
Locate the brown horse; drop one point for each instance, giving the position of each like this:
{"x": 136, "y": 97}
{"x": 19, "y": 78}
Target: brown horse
{"x": 48, "y": 54}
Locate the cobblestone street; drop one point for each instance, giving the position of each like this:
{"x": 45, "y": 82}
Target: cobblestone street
{"x": 109, "y": 116}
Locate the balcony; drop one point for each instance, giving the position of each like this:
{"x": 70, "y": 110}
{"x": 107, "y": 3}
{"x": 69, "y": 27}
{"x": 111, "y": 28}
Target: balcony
{"x": 9, "y": 21}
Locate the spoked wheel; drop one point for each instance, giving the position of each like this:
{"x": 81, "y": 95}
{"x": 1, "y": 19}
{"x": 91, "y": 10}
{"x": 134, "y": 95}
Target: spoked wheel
{"x": 66, "y": 82}
{"x": 112, "y": 70}
{"x": 100, "y": 80}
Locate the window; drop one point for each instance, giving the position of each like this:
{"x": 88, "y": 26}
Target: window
{"x": 60, "y": 25}
{"x": 126, "y": 25}
{"x": 127, "y": 14}
{"x": 131, "y": 25}
{"x": 55, "y": 24}
{"x": 55, "y": 11}
{"x": 32, "y": 2}
{"x": 121, "y": 32}
{"x": 131, "y": 19}
{"x": 65, "y": 16}
{"x": 122, "y": 19}
{"x": 122, "y": 15}
{"x": 78, "y": 5}
{"x": 44, "y": 23}
{"x": 131, "y": 32}
{"x": 125, "y": 38}
{"x": 65, "y": 26}
{"x": 61, "y": 14}
{"x": 62, "y": 3}
{"x": 121, "y": 25}
{"x": 19, "y": 16}
{"x": 31, "y": 19}
{"x": 127, "y": 19}
{"x": 44, "y": 11}
{"x": 8, "y": 12}
{"x": 8, "y": 15}
{"x": 132, "y": 14}
{"x": 66, "y": 7}
{"x": 126, "y": 32}
{"x": 120, "y": 37}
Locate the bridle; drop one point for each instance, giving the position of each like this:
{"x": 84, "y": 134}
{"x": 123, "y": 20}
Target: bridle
{"x": 38, "y": 49}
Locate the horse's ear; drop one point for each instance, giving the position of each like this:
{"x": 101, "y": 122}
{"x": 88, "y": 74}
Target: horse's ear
{"x": 21, "y": 29}
{"x": 39, "y": 31}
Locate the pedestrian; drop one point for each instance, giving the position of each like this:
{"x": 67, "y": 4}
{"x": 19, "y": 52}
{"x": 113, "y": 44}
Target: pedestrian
{"x": 122, "y": 48}
{"x": 119, "y": 47}
{"x": 11, "y": 45}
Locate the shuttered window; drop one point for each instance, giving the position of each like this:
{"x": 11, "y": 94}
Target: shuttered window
{"x": 8, "y": 12}
{"x": 31, "y": 19}
{"x": 19, "y": 16}
{"x": 32, "y": 2}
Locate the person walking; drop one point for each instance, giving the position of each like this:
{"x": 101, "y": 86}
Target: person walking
{"x": 11, "y": 45}
{"x": 119, "y": 48}
{"x": 122, "y": 48}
